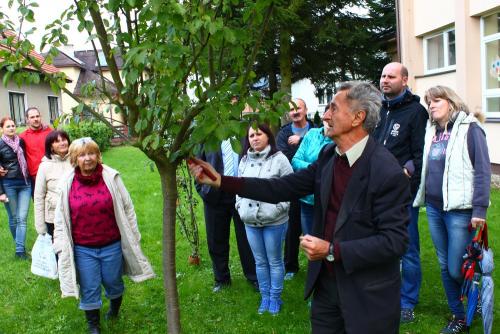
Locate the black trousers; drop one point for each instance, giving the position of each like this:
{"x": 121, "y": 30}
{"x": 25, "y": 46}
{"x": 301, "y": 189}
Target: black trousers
{"x": 50, "y": 229}
{"x": 326, "y": 313}
{"x": 292, "y": 240}
{"x": 218, "y": 227}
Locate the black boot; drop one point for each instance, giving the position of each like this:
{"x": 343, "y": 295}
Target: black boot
{"x": 93, "y": 317}
{"x": 114, "y": 307}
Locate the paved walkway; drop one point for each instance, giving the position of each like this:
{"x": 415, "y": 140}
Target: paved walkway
{"x": 495, "y": 181}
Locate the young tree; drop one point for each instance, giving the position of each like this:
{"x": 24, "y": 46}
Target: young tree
{"x": 184, "y": 61}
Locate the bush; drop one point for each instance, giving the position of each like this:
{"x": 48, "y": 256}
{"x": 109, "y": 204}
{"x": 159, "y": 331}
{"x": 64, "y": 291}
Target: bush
{"x": 96, "y": 130}
{"x": 317, "y": 120}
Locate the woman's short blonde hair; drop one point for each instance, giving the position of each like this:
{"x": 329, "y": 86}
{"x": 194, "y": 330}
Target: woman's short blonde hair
{"x": 81, "y": 146}
{"x": 455, "y": 102}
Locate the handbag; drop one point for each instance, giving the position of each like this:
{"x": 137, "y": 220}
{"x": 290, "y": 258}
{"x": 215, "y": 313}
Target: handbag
{"x": 43, "y": 257}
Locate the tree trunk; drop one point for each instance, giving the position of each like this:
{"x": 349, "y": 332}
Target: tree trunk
{"x": 168, "y": 179}
{"x": 285, "y": 61}
{"x": 285, "y": 67}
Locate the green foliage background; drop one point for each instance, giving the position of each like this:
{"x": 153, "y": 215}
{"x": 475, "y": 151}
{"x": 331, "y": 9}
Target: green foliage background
{"x": 96, "y": 130}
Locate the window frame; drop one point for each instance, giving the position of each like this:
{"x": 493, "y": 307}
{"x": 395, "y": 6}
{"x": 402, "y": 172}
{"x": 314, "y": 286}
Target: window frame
{"x": 446, "y": 52}
{"x": 58, "y": 109}
{"x": 492, "y": 92}
{"x": 11, "y": 111}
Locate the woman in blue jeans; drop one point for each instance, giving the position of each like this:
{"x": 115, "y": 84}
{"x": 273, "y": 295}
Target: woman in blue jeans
{"x": 96, "y": 234}
{"x": 15, "y": 188}
{"x": 455, "y": 188}
{"x": 265, "y": 223}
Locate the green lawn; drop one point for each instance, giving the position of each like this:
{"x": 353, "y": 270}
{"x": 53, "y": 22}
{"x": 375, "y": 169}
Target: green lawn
{"x": 30, "y": 304}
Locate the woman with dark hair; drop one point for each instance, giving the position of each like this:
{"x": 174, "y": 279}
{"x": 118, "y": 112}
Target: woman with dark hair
{"x": 15, "y": 188}
{"x": 454, "y": 187}
{"x": 55, "y": 164}
{"x": 265, "y": 223}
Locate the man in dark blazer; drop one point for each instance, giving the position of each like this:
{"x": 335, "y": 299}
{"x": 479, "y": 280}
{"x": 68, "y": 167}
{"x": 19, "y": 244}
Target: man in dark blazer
{"x": 219, "y": 209}
{"x": 359, "y": 232}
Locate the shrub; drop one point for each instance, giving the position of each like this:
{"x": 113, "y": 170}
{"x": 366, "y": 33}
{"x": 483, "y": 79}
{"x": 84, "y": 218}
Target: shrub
{"x": 317, "y": 120}
{"x": 96, "y": 130}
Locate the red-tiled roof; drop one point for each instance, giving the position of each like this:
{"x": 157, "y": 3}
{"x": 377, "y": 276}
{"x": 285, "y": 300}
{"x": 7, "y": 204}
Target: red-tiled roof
{"x": 47, "y": 68}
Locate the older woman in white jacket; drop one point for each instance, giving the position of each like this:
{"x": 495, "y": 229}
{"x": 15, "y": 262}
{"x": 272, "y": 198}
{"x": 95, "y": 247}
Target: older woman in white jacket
{"x": 265, "y": 223}
{"x": 54, "y": 165}
{"x": 96, "y": 234}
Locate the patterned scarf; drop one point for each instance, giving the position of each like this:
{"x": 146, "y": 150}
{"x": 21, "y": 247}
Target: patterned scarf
{"x": 14, "y": 145}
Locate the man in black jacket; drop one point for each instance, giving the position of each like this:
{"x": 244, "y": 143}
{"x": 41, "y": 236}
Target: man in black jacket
{"x": 288, "y": 141}
{"x": 219, "y": 209}
{"x": 401, "y": 130}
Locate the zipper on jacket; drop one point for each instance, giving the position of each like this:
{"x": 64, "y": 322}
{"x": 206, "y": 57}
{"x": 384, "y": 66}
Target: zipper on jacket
{"x": 383, "y": 138}
{"x": 387, "y": 129}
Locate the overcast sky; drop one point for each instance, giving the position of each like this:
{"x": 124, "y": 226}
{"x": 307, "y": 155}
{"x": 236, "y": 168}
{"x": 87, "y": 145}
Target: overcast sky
{"x": 46, "y": 13}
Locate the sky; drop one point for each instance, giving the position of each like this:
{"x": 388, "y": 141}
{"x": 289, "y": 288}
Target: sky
{"x": 47, "y": 12}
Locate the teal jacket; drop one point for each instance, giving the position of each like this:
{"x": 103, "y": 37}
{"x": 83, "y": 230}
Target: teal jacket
{"x": 308, "y": 152}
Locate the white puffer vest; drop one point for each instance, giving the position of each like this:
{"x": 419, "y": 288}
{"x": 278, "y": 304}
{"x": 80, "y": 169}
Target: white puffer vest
{"x": 458, "y": 176}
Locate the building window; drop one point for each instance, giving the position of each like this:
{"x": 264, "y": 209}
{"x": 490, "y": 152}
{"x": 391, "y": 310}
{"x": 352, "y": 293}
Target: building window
{"x": 102, "y": 60}
{"x": 490, "y": 54}
{"x": 320, "y": 94}
{"x": 329, "y": 96}
{"x": 53, "y": 108}
{"x": 17, "y": 107}
{"x": 439, "y": 52}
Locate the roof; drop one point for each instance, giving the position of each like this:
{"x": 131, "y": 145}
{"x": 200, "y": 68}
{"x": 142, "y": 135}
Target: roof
{"x": 65, "y": 60}
{"x": 46, "y": 68}
{"x": 90, "y": 59}
{"x": 87, "y": 76}
{"x": 86, "y": 60}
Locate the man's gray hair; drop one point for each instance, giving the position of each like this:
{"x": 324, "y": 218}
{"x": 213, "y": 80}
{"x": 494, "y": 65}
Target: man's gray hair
{"x": 364, "y": 96}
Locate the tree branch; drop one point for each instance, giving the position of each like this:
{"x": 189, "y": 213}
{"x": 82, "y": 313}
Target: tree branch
{"x": 258, "y": 43}
{"x": 106, "y": 49}
{"x": 51, "y": 78}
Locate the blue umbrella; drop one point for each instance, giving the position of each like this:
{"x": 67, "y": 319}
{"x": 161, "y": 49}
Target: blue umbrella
{"x": 487, "y": 290}
{"x": 472, "y": 299}
{"x": 472, "y": 275}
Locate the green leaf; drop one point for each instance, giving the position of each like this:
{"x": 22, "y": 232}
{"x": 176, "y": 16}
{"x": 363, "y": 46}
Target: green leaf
{"x": 132, "y": 75}
{"x": 89, "y": 25}
{"x": 6, "y": 78}
{"x": 79, "y": 108}
{"x": 229, "y": 36}
{"x": 114, "y": 5}
{"x": 35, "y": 78}
{"x": 156, "y": 141}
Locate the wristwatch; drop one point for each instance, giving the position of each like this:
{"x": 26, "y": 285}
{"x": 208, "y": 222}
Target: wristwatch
{"x": 330, "y": 257}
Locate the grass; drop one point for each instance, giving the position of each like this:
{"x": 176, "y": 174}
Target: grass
{"x": 30, "y": 304}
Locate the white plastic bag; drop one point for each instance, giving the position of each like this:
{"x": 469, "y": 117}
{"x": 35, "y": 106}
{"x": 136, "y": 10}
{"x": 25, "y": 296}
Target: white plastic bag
{"x": 43, "y": 258}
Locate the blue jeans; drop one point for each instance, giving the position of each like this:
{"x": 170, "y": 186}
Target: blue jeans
{"x": 411, "y": 276}
{"x": 96, "y": 266}
{"x": 450, "y": 235}
{"x": 19, "y": 195}
{"x": 306, "y": 217}
{"x": 267, "y": 248}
